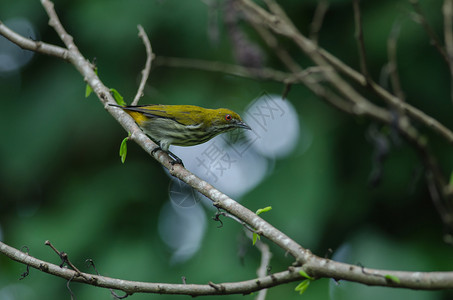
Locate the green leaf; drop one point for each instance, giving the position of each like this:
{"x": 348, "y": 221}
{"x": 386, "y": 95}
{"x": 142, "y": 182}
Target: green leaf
{"x": 304, "y": 274}
{"x": 118, "y": 97}
{"x": 263, "y": 210}
{"x": 256, "y": 237}
{"x": 451, "y": 178}
{"x": 303, "y": 286}
{"x": 393, "y": 278}
{"x": 88, "y": 89}
{"x": 123, "y": 148}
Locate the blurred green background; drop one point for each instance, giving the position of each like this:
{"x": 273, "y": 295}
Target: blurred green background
{"x": 61, "y": 178}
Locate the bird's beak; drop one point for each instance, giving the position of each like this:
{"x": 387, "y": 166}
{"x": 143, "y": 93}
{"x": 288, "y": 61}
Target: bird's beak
{"x": 241, "y": 124}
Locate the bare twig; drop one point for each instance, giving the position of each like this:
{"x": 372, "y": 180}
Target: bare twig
{"x": 64, "y": 259}
{"x": 266, "y": 256}
{"x": 392, "y": 64}
{"x": 37, "y": 46}
{"x": 360, "y": 41}
{"x": 114, "y": 294}
{"x": 216, "y": 66}
{"x": 228, "y": 215}
{"x": 27, "y": 271}
{"x": 279, "y": 51}
{"x": 69, "y": 288}
{"x": 447, "y": 10}
{"x": 145, "y": 72}
{"x": 318, "y": 19}
{"x": 419, "y": 17}
{"x": 310, "y": 74}
{"x": 437, "y": 200}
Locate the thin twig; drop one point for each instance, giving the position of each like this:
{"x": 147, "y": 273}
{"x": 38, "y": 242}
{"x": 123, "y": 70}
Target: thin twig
{"x": 437, "y": 200}
{"x": 310, "y": 74}
{"x": 447, "y": 10}
{"x": 69, "y": 288}
{"x": 318, "y": 19}
{"x": 147, "y": 69}
{"x": 216, "y": 66}
{"x": 228, "y": 215}
{"x": 277, "y": 50}
{"x": 360, "y": 41}
{"x": 278, "y": 11}
{"x": 392, "y": 64}
{"x": 420, "y": 18}
{"x": 27, "y": 271}
{"x": 263, "y": 268}
{"x": 114, "y": 294}
{"x": 63, "y": 256}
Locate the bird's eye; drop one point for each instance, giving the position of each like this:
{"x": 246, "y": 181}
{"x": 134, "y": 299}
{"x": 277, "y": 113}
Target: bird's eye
{"x": 228, "y": 117}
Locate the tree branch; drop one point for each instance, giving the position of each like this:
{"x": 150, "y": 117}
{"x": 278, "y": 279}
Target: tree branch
{"x": 392, "y": 63}
{"x": 325, "y": 59}
{"x": 131, "y": 287}
{"x": 220, "y": 200}
{"x": 147, "y": 69}
{"x": 360, "y": 41}
{"x": 310, "y": 74}
{"x": 316, "y": 267}
{"x": 264, "y": 267}
{"x": 36, "y": 46}
{"x": 447, "y": 10}
{"x": 419, "y": 17}
{"x": 313, "y": 265}
{"x": 318, "y": 19}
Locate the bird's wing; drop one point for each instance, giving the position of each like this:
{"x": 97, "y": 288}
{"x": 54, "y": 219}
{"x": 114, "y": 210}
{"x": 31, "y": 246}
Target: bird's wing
{"x": 183, "y": 114}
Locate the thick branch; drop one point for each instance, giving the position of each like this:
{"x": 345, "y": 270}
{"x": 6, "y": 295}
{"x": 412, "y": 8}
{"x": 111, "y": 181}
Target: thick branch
{"x": 131, "y": 287}
{"x": 316, "y": 267}
{"x": 36, "y": 46}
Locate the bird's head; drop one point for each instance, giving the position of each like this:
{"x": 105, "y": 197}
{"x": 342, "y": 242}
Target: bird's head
{"x": 222, "y": 120}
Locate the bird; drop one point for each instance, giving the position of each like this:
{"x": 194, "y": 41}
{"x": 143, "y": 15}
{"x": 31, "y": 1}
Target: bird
{"x": 182, "y": 125}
